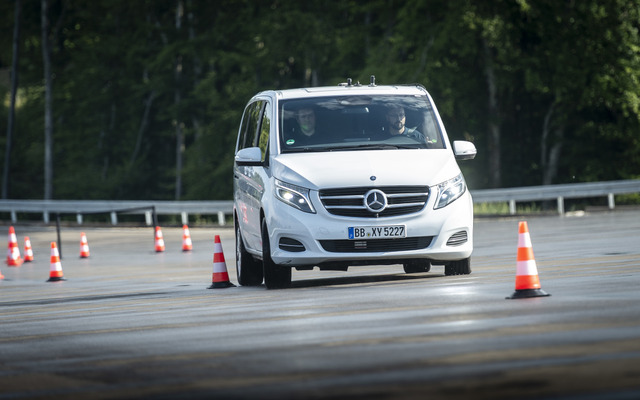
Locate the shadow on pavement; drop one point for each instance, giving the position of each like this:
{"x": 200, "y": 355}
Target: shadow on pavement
{"x": 352, "y": 280}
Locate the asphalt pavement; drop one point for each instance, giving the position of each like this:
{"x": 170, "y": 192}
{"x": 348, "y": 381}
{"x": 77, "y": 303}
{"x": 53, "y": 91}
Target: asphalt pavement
{"x": 131, "y": 323}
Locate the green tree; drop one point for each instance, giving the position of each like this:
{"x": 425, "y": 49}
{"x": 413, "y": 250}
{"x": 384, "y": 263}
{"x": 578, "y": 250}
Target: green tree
{"x": 147, "y": 96}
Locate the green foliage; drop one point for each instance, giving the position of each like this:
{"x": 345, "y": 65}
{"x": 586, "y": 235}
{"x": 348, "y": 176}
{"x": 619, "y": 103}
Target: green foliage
{"x": 129, "y": 76}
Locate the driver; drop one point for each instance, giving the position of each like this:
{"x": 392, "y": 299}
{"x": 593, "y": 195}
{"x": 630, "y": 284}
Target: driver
{"x": 396, "y": 120}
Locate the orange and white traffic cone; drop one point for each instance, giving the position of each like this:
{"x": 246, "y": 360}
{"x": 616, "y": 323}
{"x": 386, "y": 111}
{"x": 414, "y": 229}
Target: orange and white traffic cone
{"x": 159, "y": 240}
{"x": 186, "y": 239}
{"x": 220, "y": 275}
{"x": 55, "y": 272}
{"x": 13, "y": 255}
{"x": 28, "y": 251}
{"x": 84, "y": 246}
{"x": 527, "y": 281}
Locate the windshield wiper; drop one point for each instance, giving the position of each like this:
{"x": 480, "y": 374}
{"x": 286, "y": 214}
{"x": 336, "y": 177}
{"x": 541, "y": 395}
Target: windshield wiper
{"x": 379, "y": 146}
{"x": 368, "y": 146}
{"x": 307, "y": 150}
{"x": 364, "y": 147}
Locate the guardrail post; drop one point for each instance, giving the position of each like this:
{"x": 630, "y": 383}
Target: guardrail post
{"x": 14, "y": 217}
{"x": 45, "y": 217}
{"x": 147, "y": 218}
{"x": 114, "y": 218}
{"x": 79, "y": 218}
{"x": 560, "y": 205}
{"x": 155, "y": 221}
{"x": 185, "y": 218}
{"x": 59, "y": 243}
{"x": 512, "y": 207}
{"x": 612, "y": 201}
{"x": 155, "y": 218}
{"x": 221, "y": 218}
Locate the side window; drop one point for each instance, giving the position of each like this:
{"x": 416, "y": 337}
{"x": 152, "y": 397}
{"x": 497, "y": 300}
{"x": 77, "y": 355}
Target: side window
{"x": 249, "y": 128}
{"x": 265, "y": 128}
{"x": 242, "y": 132}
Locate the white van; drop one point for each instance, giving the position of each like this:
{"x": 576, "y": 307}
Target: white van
{"x": 332, "y": 177}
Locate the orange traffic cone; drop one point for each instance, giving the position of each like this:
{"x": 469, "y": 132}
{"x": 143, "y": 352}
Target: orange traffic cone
{"x": 28, "y": 252}
{"x": 186, "y": 239}
{"x": 527, "y": 282}
{"x": 55, "y": 272}
{"x": 84, "y": 246}
{"x": 220, "y": 275}
{"x": 1, "y": 276}
{"x": 159, "y": 240}
{"x": 13, "y": 255}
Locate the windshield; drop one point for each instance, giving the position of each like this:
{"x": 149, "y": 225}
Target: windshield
{"x": 358, "y": 123}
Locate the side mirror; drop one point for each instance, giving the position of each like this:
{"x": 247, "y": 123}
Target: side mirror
{"x": 464, "y": 150}
{"x": 251, "y": 156}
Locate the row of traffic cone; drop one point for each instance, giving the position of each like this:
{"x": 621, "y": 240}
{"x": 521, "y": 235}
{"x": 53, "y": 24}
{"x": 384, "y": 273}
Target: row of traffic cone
{"x": 187, "y": 245}
{"x": 220, "y": 278}
{"x": 527, "y": 280}
{"x": 14, "y": 259}
{"x": 13, "y": 255}
{"x": 55, "y": 271}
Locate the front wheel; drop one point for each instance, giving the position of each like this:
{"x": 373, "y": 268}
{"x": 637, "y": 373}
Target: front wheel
{"x": 248, "y": 270}
{"x": 460, "y": 267}
{"x": 275, "y": 276}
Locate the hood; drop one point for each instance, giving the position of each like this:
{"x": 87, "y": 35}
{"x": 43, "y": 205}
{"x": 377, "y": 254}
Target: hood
{"x": 356, "y": 168}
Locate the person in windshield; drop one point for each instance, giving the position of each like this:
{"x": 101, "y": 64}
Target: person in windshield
{"x": 396, "y": 120}
{"x": 306, "y": 118}
{"x": 305, "y": 132}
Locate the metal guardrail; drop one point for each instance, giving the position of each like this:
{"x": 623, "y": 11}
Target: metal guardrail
{"x": 113, "y": 208}
{"x": 556, "y": 192}
{"x": 225, "y": 208}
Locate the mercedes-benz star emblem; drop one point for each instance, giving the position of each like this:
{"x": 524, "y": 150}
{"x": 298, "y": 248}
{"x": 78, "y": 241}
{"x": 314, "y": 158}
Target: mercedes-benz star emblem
{"x": 375, "y": 200}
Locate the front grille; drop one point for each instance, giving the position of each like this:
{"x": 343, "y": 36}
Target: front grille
{"x": 349, "y": 202}
{"x": 376, "y": 245}
{"x": 457, "y": 238}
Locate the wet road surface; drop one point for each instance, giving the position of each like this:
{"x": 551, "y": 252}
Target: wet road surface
{"x": 132, "y": 323}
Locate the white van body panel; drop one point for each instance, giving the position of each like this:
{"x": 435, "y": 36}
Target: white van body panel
{"x": 344, "y": 169}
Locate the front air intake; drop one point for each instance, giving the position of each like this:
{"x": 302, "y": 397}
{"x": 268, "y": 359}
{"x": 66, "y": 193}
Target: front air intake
{"x": 457, "y": 239}
{"x": 288, "y": 244}
{"x": 376, "y": 245}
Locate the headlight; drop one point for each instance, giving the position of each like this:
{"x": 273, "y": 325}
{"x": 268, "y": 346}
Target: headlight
{"x": 295, "y": 196}
{"x": 450, "y": 190}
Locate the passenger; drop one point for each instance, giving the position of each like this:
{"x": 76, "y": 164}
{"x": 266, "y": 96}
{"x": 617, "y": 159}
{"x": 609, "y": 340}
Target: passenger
{"x": 396, "y": 120}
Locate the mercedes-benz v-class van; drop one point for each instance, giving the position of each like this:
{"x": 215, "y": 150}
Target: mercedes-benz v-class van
{"x": 333, "y": 177}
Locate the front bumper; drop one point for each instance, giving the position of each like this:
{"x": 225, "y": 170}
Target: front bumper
{"x": 303, "y": 239}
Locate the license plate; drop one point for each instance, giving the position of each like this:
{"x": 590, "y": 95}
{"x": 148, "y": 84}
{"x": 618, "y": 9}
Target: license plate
{"x": 377, "y": 232}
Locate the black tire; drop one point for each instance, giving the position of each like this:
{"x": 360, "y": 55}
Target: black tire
{"x": 417, "y": 266}
{"x": 275, "y": 276}
{"x": 248, "y": 269}
{"x": 460, "y": 267}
